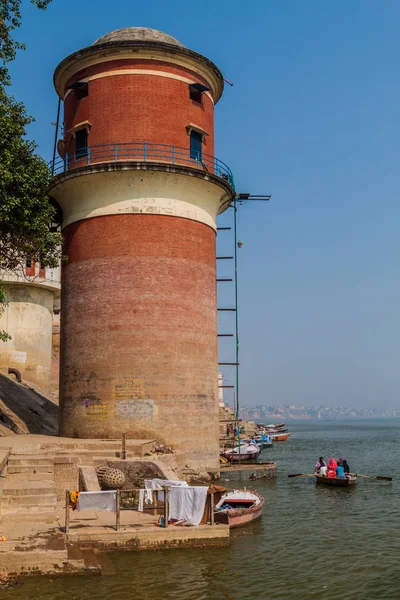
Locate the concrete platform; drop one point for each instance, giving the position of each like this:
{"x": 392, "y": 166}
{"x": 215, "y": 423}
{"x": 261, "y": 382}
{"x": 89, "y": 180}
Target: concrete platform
{"x": 44, "y": 548}
{"x": 139, "y": 531}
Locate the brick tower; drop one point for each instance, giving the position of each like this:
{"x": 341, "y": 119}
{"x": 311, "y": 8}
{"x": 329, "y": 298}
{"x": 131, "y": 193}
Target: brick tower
{"x": 140, "y": 191}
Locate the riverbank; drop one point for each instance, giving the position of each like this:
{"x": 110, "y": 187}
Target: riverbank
{"x": 36, "y": 471}
{"x": 44, "y": 548}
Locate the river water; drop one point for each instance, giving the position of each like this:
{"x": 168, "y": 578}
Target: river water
{"x": 312, "y": 542}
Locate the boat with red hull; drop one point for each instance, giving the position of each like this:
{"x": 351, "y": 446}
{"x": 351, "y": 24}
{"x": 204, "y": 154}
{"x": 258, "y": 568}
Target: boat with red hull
{"x": 347, "y": 481}
{"x": 279, "y": 437}
{"x": 239, "y": 507}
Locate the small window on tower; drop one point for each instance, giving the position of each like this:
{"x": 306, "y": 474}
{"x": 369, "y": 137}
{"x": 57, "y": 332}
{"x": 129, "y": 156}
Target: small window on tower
{"x": 81, "y": 89}
{"x": 196, "y": 91}
{"x": 28, "y": 263}
{"x": 196, "y": 141}
{"x": 81, "y": 138}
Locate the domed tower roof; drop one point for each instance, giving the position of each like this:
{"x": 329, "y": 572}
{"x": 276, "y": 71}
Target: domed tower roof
{"x": 137, "y": 34}
{"x": 142, "y": 42}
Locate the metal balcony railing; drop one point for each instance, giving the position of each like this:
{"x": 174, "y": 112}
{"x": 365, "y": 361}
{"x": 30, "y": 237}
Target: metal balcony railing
{"x": 142, "y": 152}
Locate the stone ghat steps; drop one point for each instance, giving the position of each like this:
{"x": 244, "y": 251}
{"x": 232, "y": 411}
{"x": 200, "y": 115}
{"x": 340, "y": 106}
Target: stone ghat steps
{"x": 27, "y": 488}
{"x": 28, "y": 504}
{"x": 43, "y": 462}
{"x": 107, "y": 448}
{"x": 30, "y": 461}
{"x": 30, "y": 469}
{"x": 27, "y": 499}
{"x": 17, "y": 475}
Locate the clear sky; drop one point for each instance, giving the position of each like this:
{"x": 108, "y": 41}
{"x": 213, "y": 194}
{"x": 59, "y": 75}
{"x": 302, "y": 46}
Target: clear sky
{"x": 313, "y": 119}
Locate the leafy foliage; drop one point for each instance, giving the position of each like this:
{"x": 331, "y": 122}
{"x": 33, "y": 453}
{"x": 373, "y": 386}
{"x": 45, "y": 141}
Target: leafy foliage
{"x": 10, "y": 19}
{"x": 25, "y": 210}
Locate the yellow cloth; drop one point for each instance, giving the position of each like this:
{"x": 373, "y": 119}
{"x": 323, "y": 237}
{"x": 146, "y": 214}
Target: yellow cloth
{"x": 73, "y": 499}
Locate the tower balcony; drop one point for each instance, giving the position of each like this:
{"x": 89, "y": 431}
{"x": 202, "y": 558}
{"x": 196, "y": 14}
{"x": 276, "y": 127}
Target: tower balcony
{"x": 143, "y": 155}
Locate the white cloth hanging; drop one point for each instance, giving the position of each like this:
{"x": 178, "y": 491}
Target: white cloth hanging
{"x": 156, "y": 484}
{"x": 187, "y": 503}
{"x": 98, "y": 501}
{"x": 141, "y": 500}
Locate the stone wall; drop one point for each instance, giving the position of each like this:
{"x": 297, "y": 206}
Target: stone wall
{"x": 66, "y": 475}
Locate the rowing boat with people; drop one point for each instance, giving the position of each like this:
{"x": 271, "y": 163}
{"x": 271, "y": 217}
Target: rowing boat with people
{"x": 336, "y": 481}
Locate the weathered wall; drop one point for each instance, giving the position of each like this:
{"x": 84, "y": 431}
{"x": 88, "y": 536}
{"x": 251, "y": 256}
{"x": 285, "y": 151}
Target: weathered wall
{"x": 28, "y": 320}
{"x": 139, "y": 332}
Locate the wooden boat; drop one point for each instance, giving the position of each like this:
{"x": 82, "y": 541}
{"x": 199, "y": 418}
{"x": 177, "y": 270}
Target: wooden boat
{"x": 239, "y": 507}
{"x": 337, "y": 481}
{"x": 279, "y": 437}
{"x": 249, "y": 452}
{"x": 261, "y": 443}
{"x": 268, "y": 429}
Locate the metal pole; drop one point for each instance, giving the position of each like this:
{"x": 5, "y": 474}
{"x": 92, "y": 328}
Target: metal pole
{"x": 212, "y": 509}
{"x": 55, "y": 136}
{"x": 67, "y": 512}
{"x": 118, "y": 510}
{"x": 166, "y": 506}
{"x": 237, "y": 320}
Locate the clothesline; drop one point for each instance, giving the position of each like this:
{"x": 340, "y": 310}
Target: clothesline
{"x": 186, "y": 503}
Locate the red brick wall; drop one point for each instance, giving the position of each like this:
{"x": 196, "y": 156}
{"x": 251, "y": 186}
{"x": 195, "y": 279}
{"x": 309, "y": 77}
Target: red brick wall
{"x": 139, "y": 303}
{"x": 139, "y": 108}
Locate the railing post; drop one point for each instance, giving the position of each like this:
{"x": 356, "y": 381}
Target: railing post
{"x": 118, "y": 510}
{"x": 212, "y": 509}
{"x": 88, "y": 155}
{"x": 173, "y": 155}
{"x": 67, "y": 512}
{"x": 115, "y": 152}
{"x": 166, "y": 506}
{"x": 66, "y": 161}
{"x": 144, "y": 151}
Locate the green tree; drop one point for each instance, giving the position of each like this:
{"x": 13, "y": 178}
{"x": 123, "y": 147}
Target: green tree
{"x": 26, "y": 213}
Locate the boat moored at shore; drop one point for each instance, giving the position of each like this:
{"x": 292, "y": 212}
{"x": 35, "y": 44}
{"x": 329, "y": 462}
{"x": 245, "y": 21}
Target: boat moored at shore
{"x": 239, "y": 507}
{"x": 242, "y": 453}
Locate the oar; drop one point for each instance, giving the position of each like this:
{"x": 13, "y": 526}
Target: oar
{"x": 372, "y": 476}
{"x": 302, "y": 475}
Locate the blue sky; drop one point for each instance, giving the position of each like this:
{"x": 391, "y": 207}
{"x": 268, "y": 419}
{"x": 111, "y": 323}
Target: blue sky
{"x": 313, "y": 119}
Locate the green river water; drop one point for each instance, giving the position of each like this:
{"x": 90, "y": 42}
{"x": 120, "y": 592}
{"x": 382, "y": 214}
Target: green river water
{"x": 312, "y": 541}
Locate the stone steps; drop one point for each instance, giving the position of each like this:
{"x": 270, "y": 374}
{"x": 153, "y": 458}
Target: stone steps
{"x": 29, "y": 476}
{"x": 27, "y": 488}
{"x": 28, "y": 495}
{"x": 29, "y": 460}
{"x": 31, "y": 504}
{"x": 30, "y": 469}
